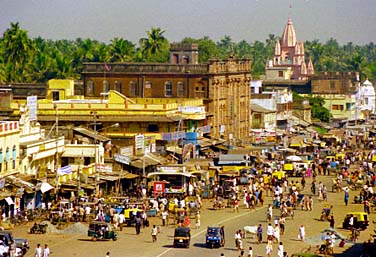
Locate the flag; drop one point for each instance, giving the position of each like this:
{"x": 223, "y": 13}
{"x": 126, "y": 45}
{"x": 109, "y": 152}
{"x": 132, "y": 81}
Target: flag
{"x": 106, "y": 67}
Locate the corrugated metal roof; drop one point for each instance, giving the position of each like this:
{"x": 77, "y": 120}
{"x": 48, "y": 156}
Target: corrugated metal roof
{"x": 91, "y": 133}
{"x": 258, "y": 108}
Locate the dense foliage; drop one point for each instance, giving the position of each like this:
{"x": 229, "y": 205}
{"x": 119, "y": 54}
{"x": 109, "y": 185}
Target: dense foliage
{"x": 25, "y": 59}
{"x": 318, "y": 111}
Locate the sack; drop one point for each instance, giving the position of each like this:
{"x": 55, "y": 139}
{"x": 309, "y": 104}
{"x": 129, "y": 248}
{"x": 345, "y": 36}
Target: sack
{"x": 299, "y": 237}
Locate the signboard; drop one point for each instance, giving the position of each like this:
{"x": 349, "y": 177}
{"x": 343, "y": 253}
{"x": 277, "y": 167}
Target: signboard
{"x": 122, "y": 159}
{"x": 2, "y": 183}
{"x": 159, "y": 187}
{"x": 139, "y": 144}
{"x": 32, "y": 104}
{"x": 103, "y": 168}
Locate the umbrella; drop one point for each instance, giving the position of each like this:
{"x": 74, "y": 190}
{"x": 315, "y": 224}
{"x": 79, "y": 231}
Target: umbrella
{"x": 294, "y": 158}
{"x": 45, "y": 187}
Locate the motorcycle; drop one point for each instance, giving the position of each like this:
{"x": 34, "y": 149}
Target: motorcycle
{"x": 38, "y": 228}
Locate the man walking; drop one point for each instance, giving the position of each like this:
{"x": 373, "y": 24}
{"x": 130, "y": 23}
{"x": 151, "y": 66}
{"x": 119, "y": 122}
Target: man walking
{"x": 154, "y": 232}
{"x": 46, "y": 251}
{"x": 12, "y": 249}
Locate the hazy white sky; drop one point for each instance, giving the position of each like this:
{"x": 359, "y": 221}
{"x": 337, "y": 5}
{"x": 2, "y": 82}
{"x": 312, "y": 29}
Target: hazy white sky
{"x": 344, "y": 20}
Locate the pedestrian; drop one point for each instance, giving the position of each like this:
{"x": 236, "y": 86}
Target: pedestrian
{"x": 250, "y": 252}
{"x": 285, "y": 254}
{"x": 346, "y": 197}
{"x": 198, "y": 220}
{"x": 46, "y": 251}
{"x": 222, "y": 255}
{"x": 276, "y": 233}
{"x": 38, "y": 251}
{"x": 12, "y": 249}
{"x": 269, "y": 233}
{"x": 331, "y": 221}
{"x": 301, "y": 232}
{"x": 164, "y": 215}
{"x": 121, "y": 220}
{"x": 269, "y": 249}
{"x": 280, "y": 250}
{"x": 138, "y": 224}
{"x": 107, "y": 254}
{"x": 236, "y": 205}
{"x": 282, "y": 222}
{"x": 154, "y": 232}
{"x": 259, "y": 234}
{"x": 241, "y": 253}
{"x": 366, "y": 206}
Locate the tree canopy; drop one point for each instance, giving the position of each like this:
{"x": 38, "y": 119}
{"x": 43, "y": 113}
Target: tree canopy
{"x": 25, "y": 59}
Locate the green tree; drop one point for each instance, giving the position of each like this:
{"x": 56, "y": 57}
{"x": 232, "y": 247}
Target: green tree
{"x": 16, "y": 50}
{"x": 155, "y": 46}
{"x": 121, "y": 50}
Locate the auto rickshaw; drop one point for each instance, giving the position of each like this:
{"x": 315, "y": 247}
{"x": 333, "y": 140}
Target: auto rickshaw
{"x": 361, "y": 220}
{"x": 99, "y": 230}
{"x": 182, "y": 237}
{"x": 130, "y": 215}
{"x": 215, "y": 236}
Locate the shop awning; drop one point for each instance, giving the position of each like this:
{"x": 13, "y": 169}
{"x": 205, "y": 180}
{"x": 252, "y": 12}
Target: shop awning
{"x": 174, "y": 149}
{"x": 130, "y": 176}
{"x": 92, "y": 134}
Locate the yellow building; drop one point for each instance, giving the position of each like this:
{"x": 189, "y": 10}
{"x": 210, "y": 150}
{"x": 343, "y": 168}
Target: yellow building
{"x": 9, "y": 147}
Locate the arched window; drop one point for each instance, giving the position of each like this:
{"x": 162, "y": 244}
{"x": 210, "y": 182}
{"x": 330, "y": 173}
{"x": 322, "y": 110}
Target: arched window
{"x": 180, "y": 89}
{"x": 133, "y": 88}
{"x": 106, "y": 86}
{"x": 14, "y": 156}
{"x": 118, "y": 86}
{"x": 168, "y": 88}
{"x": 90, "y": 88}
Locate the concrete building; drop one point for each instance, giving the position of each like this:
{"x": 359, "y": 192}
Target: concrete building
{"x": 366, "y": 99}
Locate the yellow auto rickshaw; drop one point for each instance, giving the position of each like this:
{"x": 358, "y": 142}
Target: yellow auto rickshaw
{"x": 361, "y": 220}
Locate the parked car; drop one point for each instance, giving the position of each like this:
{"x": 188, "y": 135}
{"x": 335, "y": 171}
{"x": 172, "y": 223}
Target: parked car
{"x": 215, "y": 237}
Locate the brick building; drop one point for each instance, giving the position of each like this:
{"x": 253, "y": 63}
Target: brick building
{"x": 222, "y": 84}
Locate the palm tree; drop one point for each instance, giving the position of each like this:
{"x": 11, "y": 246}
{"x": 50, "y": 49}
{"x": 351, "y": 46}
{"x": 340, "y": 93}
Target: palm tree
{"x": 17, "y": 48}
{"x": 121, "y": 50}
{"x": 154, "y": 41}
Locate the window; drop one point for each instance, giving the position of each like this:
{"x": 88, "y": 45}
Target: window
{"x": 280, "y": 74}
{"x": 118, "y": 86}
{"x": 152, "y": 128}
{"x": 133, "y": 88}
{"x": 168, "y": 88}
{"x": 90, "y": 87}
{"x": 106, "y": 86}
{"x": 180, "y": 89}
{"x": 55, "y": 96}
{"x": 337, "y": 107}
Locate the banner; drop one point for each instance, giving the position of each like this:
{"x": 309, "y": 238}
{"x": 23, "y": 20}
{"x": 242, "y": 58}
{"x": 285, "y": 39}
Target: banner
{"x": 64, "y": 170}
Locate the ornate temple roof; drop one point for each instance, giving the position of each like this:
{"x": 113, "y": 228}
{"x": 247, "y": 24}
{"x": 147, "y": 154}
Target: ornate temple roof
{"x": 289, "y": 35}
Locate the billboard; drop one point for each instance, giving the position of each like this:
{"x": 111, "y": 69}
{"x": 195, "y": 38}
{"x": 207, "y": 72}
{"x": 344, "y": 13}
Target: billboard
{"x": 32, "y": 104}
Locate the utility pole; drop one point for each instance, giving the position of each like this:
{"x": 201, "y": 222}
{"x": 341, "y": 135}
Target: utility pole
{"x": 57, "y": 151}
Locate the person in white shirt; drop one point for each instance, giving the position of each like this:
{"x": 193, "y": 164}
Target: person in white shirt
{"x": 302, "y": 232}
{"x": 38, "y": 251}
{"x": 269, "y": 232}
{"x": 280, "y": 250}
{"x": 46, "y": 251}
{"x": 250, "y": 252}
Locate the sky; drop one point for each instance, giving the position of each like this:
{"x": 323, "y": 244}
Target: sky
{"x": 250, "y": 20}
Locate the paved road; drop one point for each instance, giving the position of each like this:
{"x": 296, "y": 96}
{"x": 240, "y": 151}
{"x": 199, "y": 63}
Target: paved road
{"x": 130, "y": 244}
